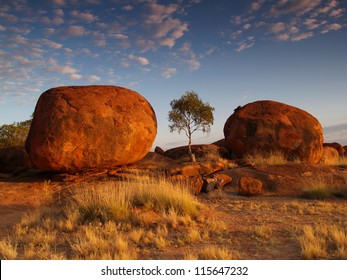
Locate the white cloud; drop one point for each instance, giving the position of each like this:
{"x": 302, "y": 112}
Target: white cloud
{"x": 93, "y": 78}
{"x": 25, "y": 61}
{"x": 139, "y": 59}
{"x": 73, "y": 30}
{"x": 2, "y": 28}
{"x": 256, "y": 5}
{"x": 168, "y": 72}
{"x": 49, "y": 31}
{"x": 117, "y": 36}
{"x": 58, "y": 2}
{"x": 246, "y": 44}
{"x": 75, "y": 76}
{"x": 127, "y": 8}
{"x": 58, "y": 19}
{"x": 311, "y": 23}
{"x": 247, "y": 26}
{"x": 298, "y": 7}
{"x": 161, "y": 24}
{"x": 19, "y": 39}
{"x": 301, "y": 36}
{"x": 277, "y": 27}
{"x": 53, "y": 66}
{"x": 337, "y": 13}
{"x": 99, "y": 39}
{"x": 188, "y": 57}
{"x": 158, "y": 13}
{"x": 331, "y": 27}
{"x": 331, "y": 5}
{"x": 83, "y": 16}
{"x": 283, "y": 37}
{"x": 8, "y": 17}
{"x": 52, "y": 44}
{"x": 145, "y": 45}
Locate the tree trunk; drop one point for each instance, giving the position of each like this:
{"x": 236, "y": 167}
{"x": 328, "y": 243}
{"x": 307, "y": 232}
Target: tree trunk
{"x": 191, "y": 155}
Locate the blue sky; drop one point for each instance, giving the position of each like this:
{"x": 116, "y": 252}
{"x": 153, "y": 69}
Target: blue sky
{"x": 229, "y": 52}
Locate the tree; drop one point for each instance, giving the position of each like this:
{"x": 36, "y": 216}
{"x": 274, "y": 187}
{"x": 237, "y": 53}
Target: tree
{"x": 14, "y": 135}
{"x": 190, "y": 114}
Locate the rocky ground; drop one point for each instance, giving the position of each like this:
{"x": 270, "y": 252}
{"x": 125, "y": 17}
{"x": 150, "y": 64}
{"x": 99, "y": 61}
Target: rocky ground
{"x": 266, "y": 226}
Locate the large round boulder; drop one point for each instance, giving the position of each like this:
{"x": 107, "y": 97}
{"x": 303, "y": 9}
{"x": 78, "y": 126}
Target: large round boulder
{"x": 89, "y": 127}
{"x": 267, "y": 126}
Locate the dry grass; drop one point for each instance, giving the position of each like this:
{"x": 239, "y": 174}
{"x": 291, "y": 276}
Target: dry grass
{"x": 316, "y": 241}
{"x": 8, "y": 250}
{"x": 258, "y": 158}
{"x": 319, "y": 187}
{"x": 117, "y": 201}
{"x": 217, "y": 253}
{"x": 214, "y": 227}
{"x": 109, "y": 220}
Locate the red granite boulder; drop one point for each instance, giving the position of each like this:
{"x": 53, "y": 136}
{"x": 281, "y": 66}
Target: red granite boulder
{"x": 339, "y": 148}
{"x": 330, "y": 156}
{"x": 266, "y": 126}
{"x": 249, "y": 186}
{"x": 86, "y": 127}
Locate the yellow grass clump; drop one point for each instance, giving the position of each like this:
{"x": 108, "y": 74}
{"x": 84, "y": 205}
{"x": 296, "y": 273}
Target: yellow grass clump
{"x": 258, "y": 158}
{"x": 319, "y": 241}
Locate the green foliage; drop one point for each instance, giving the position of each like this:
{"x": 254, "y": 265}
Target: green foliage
{"x": 14, "y": 135}
{"x": 190, "y": 113}
{"x": 317, "y": 193}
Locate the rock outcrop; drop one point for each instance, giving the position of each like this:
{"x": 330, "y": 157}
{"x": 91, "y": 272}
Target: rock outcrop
{"x": 266, "y": 126}
{"x": 200, "y": 151}
{"x": 14, "y": 159}
{"x": 249, "y": 186}
{"x": 330, "y": 156}
{"x": 88, "y": 127}
{"x": 337, "y": 146}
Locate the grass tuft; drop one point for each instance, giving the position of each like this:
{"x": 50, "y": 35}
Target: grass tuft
{"x": 258, "y": 158}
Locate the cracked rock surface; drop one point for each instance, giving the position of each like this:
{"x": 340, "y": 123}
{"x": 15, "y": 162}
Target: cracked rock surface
{"x": 85, "y": 127}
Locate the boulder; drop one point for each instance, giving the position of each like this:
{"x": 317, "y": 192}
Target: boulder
{"x": 223, "y": 180}
{"x": 265, "y": 126}
{"x": 249, "y": 186}
{"x": 90, "y": 127}
{"x": 330, "y": 156}
{"x": 345, "y": 154}
{"x": 194, "y": 182}
{"x": 159, "y": 151}
{"x": 220, "y": 143}
{"x": 200, "y": 151}
{"x": 216, "y": 181}
{"x": 337, "y": 146}
{"x": 14, "y": 159}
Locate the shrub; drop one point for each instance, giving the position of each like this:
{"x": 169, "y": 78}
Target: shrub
{"x": 14, "y": 135}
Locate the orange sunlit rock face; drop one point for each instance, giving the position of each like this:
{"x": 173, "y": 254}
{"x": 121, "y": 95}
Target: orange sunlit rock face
{"x": 83, "y": 127}
{"x": 265, "y": 126}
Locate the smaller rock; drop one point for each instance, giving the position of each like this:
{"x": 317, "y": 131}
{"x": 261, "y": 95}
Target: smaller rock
{"x": 215, "y": 182}
{"x": 209, "y": 184}
{"x": 195, "y": 182}
{"x": 249, "y": 186}
{"x": 208, "y": 168}
{"x": 223, "y": 180}
{"x": 14, "y": 160}
{"x": 159, "y": 151}
{"x": 330, "y": 156}
{"x": 185, "y": 169}
{"x": 341, "y": 150}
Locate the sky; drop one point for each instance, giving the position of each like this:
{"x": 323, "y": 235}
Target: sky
{"x": 229, "y": 52}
